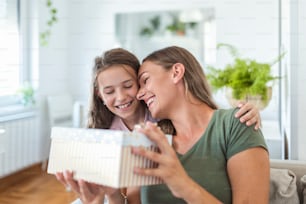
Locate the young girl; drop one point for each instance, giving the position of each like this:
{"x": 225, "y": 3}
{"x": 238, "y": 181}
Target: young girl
{"x": 114, "y": 106}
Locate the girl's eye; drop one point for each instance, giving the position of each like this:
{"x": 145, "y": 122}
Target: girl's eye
{"x": 128, "y": 86}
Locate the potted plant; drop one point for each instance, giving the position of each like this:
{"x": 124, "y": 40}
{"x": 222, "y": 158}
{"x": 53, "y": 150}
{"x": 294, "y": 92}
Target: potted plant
{"x": 245, "y": 79}
{"x": 27, "y": 94}
{"x": 152, "y": 28}
{"x": 176, "y": 26}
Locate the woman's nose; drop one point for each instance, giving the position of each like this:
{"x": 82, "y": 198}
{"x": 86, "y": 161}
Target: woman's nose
{"x": 140, "y": 94}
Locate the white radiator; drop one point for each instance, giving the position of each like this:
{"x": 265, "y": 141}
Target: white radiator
{"x": 19, "y": 142}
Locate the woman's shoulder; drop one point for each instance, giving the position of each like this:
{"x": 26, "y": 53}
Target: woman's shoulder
{"x": 225, "y": 114}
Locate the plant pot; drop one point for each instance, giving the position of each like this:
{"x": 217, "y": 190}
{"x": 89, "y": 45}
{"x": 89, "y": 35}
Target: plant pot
{"x": 255, "y": 100}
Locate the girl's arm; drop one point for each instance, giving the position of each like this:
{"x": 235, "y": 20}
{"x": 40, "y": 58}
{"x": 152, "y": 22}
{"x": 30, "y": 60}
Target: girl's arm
{"x": 90, "y": 193}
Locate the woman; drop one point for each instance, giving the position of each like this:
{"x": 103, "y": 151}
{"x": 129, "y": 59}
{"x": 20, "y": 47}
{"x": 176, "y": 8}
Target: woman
{"x": 214, "y": 158}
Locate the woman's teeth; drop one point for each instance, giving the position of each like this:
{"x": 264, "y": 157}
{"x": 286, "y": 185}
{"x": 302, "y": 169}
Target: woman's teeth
{"x": 150, "y": 101}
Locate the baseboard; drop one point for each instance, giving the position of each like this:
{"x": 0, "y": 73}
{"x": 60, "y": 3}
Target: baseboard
{"x": 20, "y": 175}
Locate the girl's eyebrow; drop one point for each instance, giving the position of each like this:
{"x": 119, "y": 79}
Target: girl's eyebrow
{"x": 123, "y": 82}
{"x": 106, "y": 87}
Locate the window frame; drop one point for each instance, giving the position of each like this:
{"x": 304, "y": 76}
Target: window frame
{"x": 23, "y": 68}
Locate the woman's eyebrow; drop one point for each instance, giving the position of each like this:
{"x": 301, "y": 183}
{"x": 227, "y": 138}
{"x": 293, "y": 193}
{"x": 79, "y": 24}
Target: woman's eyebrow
{"x": 139, "y": 75}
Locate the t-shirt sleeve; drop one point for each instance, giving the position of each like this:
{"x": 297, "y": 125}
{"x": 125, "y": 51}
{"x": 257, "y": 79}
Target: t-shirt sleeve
{"x": 241, "y": 137}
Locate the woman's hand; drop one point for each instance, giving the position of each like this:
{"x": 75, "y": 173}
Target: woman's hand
{"x": 169, "y": 168}
{"x": 249, "y": 114}
{"x": 89, "y": 193}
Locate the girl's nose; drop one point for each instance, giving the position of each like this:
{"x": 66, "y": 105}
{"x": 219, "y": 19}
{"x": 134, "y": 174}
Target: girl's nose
{"x": 120, "y": 95}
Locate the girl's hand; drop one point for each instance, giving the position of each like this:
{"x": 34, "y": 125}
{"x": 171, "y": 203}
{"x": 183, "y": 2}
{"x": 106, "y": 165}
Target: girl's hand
{"x": 249, "y": 114}
{"x": 169, "y": 167}
{"x": 89, "y": 193}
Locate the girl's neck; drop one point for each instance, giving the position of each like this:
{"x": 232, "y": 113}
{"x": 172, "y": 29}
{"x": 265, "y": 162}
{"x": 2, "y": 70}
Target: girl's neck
{"x": 138, "y": 117}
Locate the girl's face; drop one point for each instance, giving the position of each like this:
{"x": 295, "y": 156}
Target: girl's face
{"x": 156, "y": 88}
{"x": 118, "y": 88}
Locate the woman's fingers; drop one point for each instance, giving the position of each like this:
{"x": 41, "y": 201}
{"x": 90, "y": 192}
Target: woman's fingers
{"x": 147, "y": 171}
{"x": 156, "y": 135}
{"x": 149, "y": 154}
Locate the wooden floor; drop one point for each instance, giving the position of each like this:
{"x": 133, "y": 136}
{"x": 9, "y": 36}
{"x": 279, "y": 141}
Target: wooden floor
{"x": 34, "y": 187}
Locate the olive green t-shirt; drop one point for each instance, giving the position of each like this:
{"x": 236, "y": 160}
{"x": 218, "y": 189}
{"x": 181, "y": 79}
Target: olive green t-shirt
{"x": 206, "y": 161}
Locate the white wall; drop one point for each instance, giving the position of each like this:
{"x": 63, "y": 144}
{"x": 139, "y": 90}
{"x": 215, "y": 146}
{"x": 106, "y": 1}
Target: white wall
{"x": 301, "y": 100}
{"x": 52, "y": 63}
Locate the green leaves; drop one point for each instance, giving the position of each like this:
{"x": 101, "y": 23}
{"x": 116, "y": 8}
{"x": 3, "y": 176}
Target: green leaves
{"x": 244, "y": 76}
{"x": 26, "y": 93}
{"x": 151, "y": 28}
{"x": 45, "y": 35}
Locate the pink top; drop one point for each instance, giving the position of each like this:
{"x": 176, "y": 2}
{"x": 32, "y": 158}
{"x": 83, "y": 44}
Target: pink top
{"x": 118, "y": 124}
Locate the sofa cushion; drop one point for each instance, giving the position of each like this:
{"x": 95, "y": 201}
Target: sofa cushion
{"x": 283, "y": 187}
{"x": 296, "y": 166}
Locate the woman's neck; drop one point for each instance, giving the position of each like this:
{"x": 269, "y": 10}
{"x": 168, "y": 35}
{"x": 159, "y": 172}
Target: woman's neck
{"x": 192, "y": 120}
{"x": 190, "y": 125}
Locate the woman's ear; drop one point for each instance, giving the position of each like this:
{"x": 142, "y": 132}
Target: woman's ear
{"x": 178, "y": 70}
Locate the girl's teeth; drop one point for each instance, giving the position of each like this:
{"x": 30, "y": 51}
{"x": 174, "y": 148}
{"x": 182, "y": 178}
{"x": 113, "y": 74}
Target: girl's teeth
{"x": 124, "y": 106}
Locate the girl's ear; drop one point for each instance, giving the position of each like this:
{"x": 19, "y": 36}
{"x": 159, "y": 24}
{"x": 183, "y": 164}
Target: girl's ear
{"x": 97, "y": 92}
{"x": 100, "y": 97}
{"x": 178, "y": 72}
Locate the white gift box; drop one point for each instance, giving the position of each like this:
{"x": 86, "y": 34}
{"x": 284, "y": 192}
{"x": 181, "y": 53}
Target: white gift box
{"x": 101, "y": 156}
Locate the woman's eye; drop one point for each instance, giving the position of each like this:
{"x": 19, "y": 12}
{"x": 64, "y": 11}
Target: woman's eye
{"x": 145, "y": 80}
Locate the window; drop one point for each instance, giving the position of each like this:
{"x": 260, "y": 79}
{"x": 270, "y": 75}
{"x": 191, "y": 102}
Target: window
{"x": 10, "y": 63}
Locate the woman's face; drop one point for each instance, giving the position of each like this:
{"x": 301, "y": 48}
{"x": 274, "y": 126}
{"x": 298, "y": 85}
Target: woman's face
{"x": 118, "y": 88}
{"x": 155, "y": 88}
